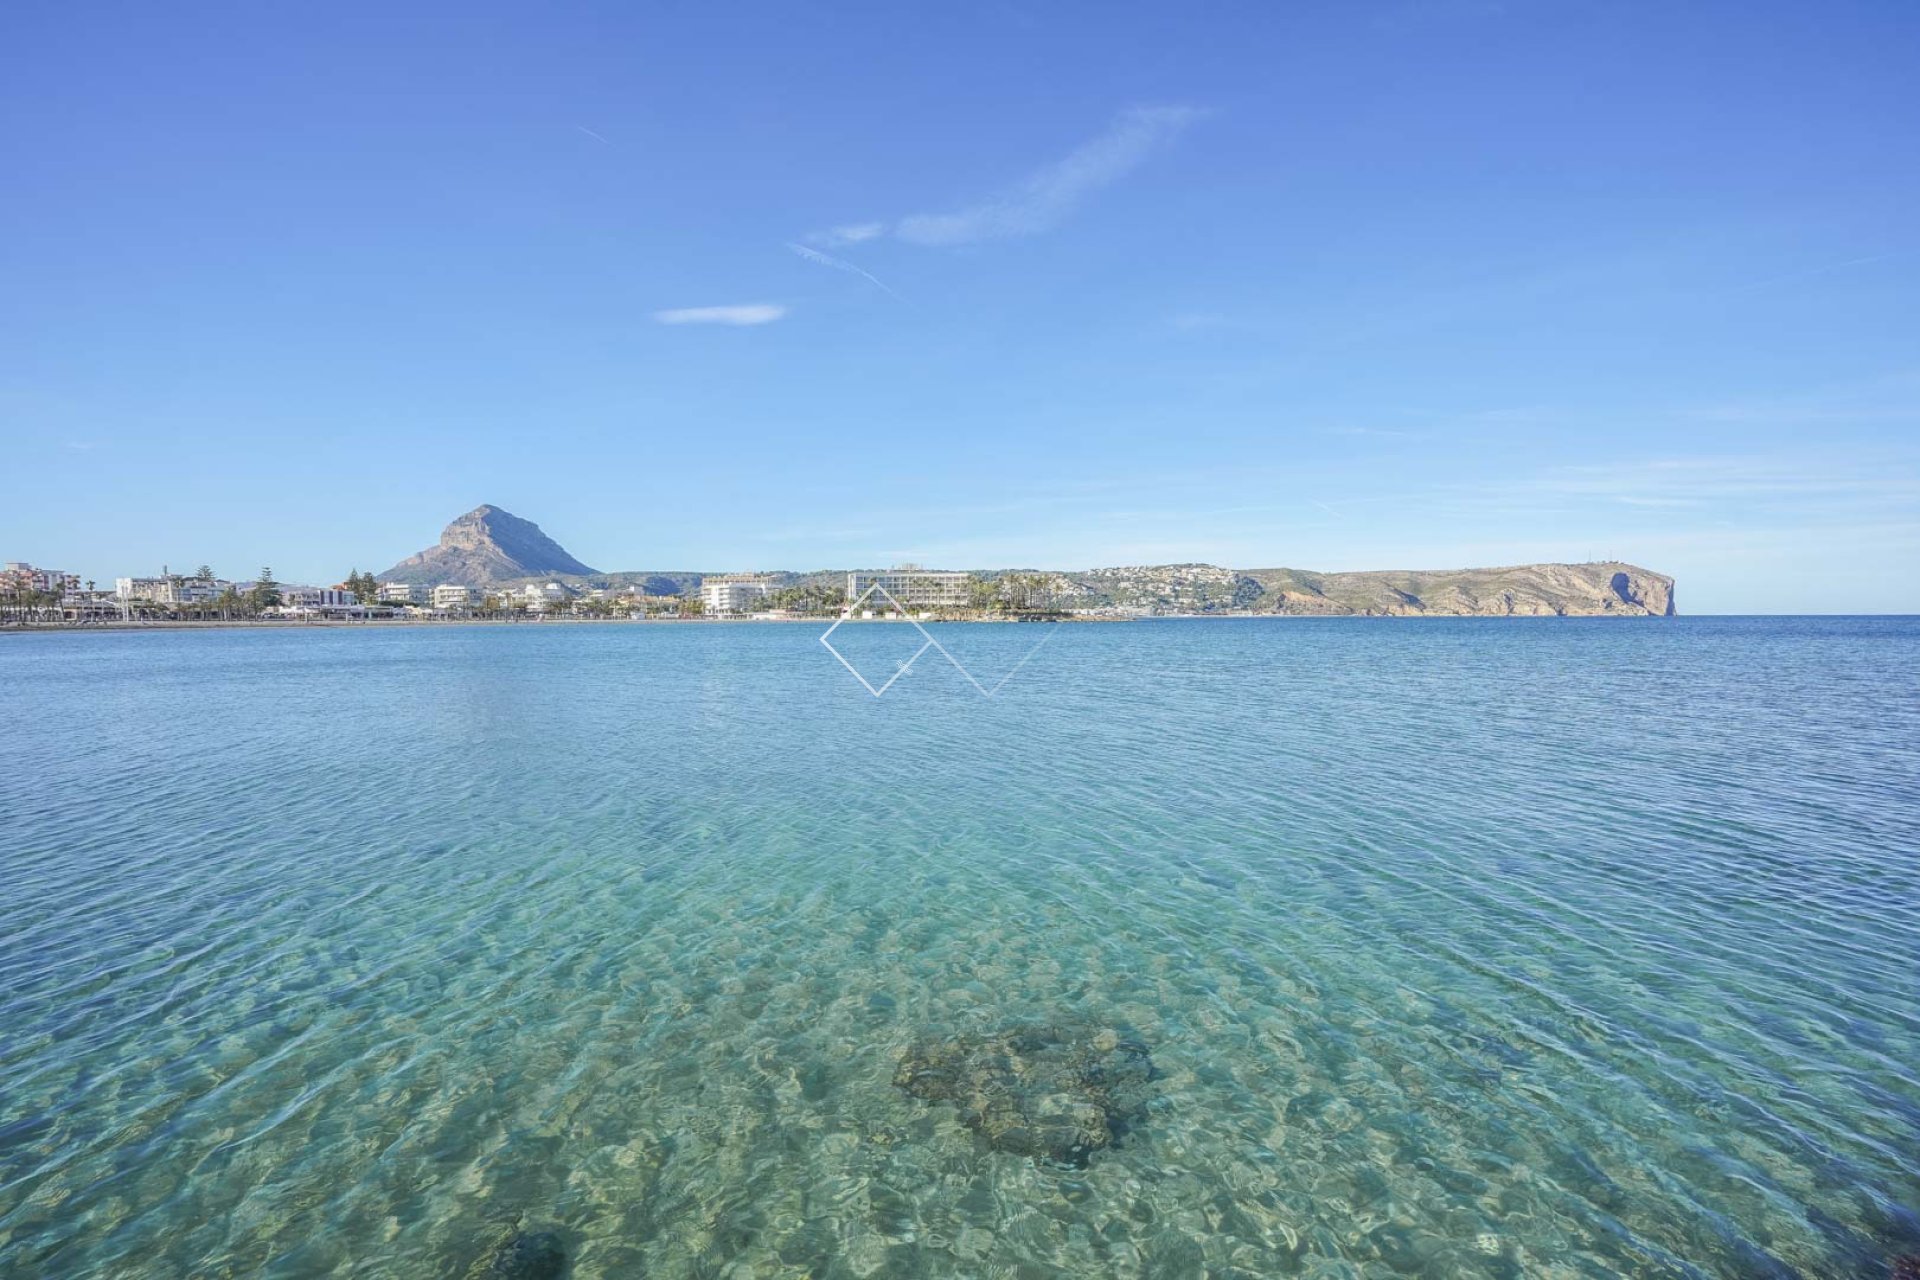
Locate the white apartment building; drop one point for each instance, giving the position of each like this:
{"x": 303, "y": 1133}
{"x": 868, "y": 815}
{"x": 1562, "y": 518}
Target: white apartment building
{"x": 317, "y": 598}
{"x": 402, "y": 593}
{"x": 914, "y": 587}
{"x": 730, "y": 593}
{"x": 541, "y": 596}
{"x": 170, "y": 588}
{"x": 451, "y": 595}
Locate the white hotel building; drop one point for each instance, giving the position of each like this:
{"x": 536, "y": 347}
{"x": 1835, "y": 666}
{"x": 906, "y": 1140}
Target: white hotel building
{"x": 730, "y": 593}
{"x": 540, "y": 597}
{"x": 915, "y": 588}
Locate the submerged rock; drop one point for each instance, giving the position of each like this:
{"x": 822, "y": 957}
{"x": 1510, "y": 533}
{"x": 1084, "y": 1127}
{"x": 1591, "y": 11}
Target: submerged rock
{"x": 530, "y": 1255}
{"x": 1055, "y": 1093}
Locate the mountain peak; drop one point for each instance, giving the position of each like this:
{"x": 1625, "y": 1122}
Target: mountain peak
{"x": 486, "y": 546}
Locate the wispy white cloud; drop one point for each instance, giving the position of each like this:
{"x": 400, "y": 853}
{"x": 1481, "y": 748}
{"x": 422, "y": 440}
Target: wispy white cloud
{"x": 852, "y": 233}
{"x": 840, "y": 264}
{"x": 1772, "y": 481}
{"x": 1375, "y": 433}
{"x": 1808, "y": 273}
{"x": 1045, "y": 198}
{"x": 1803, "y": 415}
{"x": 750, "y": 313}
{"x": 1423, "y": 14}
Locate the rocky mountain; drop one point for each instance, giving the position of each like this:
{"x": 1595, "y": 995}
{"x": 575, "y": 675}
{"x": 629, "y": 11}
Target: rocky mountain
{"x": 487, "y": 547}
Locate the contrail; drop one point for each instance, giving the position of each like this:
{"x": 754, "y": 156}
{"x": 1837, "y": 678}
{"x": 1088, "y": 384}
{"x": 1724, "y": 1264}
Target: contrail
{"x": 1809, "y": 272}
{"x": 591, "y": 134}
{"x": 828, "y": 260}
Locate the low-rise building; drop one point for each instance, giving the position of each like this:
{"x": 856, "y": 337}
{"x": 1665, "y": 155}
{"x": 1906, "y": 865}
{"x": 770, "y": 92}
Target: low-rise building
{"x": 317, "y": 598}
{"x": 451, "y": 595}
{"x": 403, "y": 593}
{"x": 19, "y": 576}
{"x": 171, "y": 588}
{"x": 92, "y": 606}
{"x": 731, "y": 593}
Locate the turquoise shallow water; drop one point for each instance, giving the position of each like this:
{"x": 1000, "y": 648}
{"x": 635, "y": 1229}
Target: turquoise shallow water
{"x": 1462, "y": 948}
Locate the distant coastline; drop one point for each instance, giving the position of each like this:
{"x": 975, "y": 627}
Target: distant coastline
{"x": 534, "y": 620}
{"x": 491, "y": 550}
{"x": 100, "y": 627}
{"x": 492, "y": 566}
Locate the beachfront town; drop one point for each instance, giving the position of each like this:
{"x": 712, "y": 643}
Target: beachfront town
{"x": 30, "y": 594}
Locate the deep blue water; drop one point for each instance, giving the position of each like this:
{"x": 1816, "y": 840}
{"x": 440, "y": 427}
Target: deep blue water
{"x": 1461, "y": 947}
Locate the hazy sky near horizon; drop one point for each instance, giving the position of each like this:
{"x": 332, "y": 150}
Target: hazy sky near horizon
{"x": 1339, "y": 286}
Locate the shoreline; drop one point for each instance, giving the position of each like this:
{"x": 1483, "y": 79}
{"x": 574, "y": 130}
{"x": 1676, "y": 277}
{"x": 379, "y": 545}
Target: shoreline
{"x": 365, "y": 624}
{"x": 375, "y": 624}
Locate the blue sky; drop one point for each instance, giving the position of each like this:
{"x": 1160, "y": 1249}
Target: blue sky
{"x": 715, "y": 287}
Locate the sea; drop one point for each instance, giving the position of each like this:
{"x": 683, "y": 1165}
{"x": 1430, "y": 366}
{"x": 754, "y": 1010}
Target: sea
{"x": 1459, "y": 948}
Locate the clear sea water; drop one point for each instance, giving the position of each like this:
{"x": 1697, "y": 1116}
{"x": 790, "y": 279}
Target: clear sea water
{"x": 1462, "y": 948}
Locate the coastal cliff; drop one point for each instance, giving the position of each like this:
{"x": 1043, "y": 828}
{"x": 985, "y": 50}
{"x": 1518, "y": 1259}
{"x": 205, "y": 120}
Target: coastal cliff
{"x": 1536, "y": 590}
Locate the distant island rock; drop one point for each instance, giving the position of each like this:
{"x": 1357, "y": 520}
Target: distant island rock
{"x": 486, "y": 547}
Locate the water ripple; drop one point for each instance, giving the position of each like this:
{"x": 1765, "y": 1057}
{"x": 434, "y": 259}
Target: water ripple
{"x": 1462, "y": 948}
